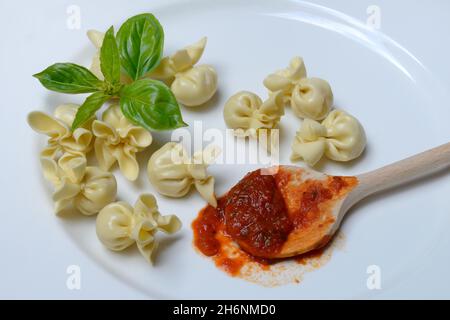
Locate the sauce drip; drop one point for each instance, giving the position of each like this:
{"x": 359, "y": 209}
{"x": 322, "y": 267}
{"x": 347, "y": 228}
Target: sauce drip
{"x": 259, "y": 213}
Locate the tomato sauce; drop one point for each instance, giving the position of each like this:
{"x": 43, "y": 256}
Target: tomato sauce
{"x": 206, "y": 227}
{"x": 255, "y": 218}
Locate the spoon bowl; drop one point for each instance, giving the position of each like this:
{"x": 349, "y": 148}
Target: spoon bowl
{"x": 317, "y": 214}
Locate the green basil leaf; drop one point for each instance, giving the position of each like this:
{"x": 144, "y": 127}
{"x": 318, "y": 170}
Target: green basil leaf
{"x": 150, "y": 104}
{"x": 109, "y": 58}
{"x": 141, "y": 42}
{"x": 89, "y": 107}
{"x": 69, "y": 78}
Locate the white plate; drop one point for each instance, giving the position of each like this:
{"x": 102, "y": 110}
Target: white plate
{"x": 401, "y": 103}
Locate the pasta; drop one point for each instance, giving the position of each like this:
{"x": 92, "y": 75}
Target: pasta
{"x": 172, "y": 173}
{"x": 312, "y": 98}
{"x": 339, "y": 137}
{"x": 96, "y": 38}
{"x": 87, "y": 189}
{"x": 58, "y": 128}
{"x": 246, "y": 112}
{"x": 192, "y": 85}
{"x": 119, "y": 140}
{"x": 180, "y": 61}
{"x": 119, "y": 225}
{"x": 286, "y": 79}
{"x": 195, "y": 86}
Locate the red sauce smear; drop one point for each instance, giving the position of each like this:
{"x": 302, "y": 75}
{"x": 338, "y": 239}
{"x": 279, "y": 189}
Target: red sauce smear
{"x": 256, "y": 216}
{"x": 259, "y": 213}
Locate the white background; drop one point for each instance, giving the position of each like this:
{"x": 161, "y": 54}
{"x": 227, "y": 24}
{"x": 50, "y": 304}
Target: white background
{"x": 35, "y": 248}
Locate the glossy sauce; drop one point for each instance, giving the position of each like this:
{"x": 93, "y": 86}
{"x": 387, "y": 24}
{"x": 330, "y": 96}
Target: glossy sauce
{"x": 257, "y": 215}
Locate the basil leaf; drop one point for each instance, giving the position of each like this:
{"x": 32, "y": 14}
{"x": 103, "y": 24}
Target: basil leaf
{"x": 141, "y": 42}
{"x": 109, "y": 58}
{"x": 150, "y": 104}
{"x": 69, "y": 78}
{"x": 89, "y": 107}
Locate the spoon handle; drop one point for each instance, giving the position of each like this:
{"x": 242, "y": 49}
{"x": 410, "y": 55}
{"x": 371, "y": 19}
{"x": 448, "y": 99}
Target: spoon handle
{"x": 403, "y": 171}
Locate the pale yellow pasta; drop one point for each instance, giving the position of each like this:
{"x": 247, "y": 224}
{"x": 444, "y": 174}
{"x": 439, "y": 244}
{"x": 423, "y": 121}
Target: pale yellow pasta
{"x": 58, "y": 129}
{"x": 119, "y": 225}
{"x": 285, "y": 80}
{"x": 245, "y": 112}
{"x": 192, "y": 85}
{"x": 180, "y": 61}
{"x": 309, "y": 143}
{"x": 114, "y": 226}
{"x": 118, "y": 140}
{"x": 87, "y": 189}
{"x": 312, "y": 98}
{"x": 96, "y": 38}
{"x": 195, "y": 86}
{"x": 339, "y": 137}
{"x": 173, "y": 173}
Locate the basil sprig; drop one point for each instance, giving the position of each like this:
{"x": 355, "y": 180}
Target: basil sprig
{"x": 69, "y": 78}
{"x": 136, "y": 51}
{"x": 141, "y": 43}
{"x": 110, "y": 60}
{"x": 139, "y": 102}
{"x": 89, "y": 107}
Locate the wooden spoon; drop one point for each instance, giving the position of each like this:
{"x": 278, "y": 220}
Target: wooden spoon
{"x": 318, "y": 233}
